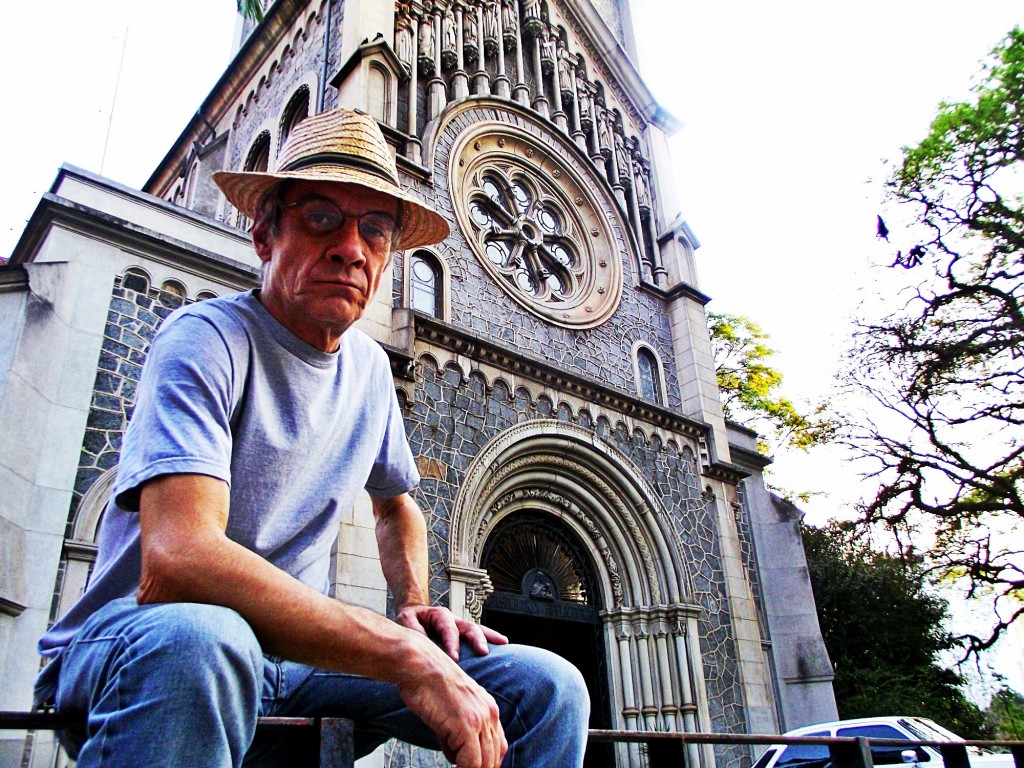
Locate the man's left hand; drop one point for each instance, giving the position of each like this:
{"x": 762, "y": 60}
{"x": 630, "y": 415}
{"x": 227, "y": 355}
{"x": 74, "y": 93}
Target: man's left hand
{"x": 440, "y": 623}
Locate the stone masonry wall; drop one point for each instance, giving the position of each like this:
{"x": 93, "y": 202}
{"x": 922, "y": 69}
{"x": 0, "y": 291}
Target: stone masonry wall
{"x": 454, "y": 416}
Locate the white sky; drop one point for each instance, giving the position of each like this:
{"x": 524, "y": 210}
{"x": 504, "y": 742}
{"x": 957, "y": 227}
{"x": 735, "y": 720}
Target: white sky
{"x": 788, "y": 110}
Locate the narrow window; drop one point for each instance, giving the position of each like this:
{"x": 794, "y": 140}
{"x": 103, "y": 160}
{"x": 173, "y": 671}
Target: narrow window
{"x": 379, "y": 96}
{"x": 425, "y": 289}
{"x": 650, "y": 380}
{"x": 296, "y": 111}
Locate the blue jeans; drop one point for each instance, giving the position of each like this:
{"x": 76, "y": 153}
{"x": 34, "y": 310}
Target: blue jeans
{"x": 181, "y": 684}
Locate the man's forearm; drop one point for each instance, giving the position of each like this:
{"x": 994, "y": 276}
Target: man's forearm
{"x": 402, "y": 545}
{"x": 187, "y": 558}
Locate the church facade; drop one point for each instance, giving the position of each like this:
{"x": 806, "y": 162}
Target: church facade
{"x": 582, "y": 489}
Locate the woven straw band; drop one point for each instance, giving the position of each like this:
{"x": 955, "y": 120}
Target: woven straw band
{"x": 341, "y": 147}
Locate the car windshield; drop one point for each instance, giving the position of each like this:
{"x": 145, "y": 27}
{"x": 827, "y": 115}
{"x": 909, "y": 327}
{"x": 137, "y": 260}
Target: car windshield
{"x": 805, "y": 755}
{"x": 929, "y": 731}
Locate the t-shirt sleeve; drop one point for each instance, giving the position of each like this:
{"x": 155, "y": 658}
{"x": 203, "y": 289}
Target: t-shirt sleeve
{"x": 181, "y": 422}
{"x": 394, "y": 471}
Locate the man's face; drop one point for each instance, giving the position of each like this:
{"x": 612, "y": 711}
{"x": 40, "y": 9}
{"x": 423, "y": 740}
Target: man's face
{"x": 317, "y": 279}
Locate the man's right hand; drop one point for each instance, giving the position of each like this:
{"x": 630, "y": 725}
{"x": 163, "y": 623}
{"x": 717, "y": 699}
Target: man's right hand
{"x": 464, "y": 716}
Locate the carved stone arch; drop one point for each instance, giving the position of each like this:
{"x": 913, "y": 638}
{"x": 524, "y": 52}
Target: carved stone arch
{"x": 592, "y": 475}
{"x": 551, "y": 473}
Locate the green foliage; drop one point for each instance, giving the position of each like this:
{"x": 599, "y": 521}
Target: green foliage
{"x": 749, "y": 386}
{"x": 251, "y": 9}
{"x": 945, "y": 369}
{"x": 883, "y": 630}
{"x": 1006, "y": 715}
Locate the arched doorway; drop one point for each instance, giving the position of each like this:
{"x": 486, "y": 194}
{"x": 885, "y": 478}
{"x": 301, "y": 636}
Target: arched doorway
{"x": 545, "y": 595}
{"x": 564, "y": 485}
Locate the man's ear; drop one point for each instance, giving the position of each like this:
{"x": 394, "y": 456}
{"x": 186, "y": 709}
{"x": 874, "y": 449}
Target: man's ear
{"x": 261, "y": 239}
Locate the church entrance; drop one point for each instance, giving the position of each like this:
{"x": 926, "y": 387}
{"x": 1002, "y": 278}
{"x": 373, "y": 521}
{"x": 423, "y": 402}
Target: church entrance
{"x": 545, "y": 595}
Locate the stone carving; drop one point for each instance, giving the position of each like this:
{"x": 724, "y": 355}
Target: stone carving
{"x": 603, "y": 490}
{"x": 558, "y": 500}
{"x": 621, "y": 156}
{"x": 470, "y": 29}
{"x": 604, "y": 136}
{"x": 641, "y": 182}
{"x": 565, "y": 73}
{"x": 403, "y": 40}
{"x": 547, "y": 54}
{"x": 449, "y": 41}
{"x": 476, "y": 596}
{"x": 586, "y": 101}
{"x": 509, "y": 24}
{"x": 426, "y": 59}
{"x": 532, "y": 22}
{"x": 491, "y": 27}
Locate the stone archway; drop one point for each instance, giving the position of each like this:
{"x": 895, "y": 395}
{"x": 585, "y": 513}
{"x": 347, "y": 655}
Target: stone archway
{"x": 597, "y": 498}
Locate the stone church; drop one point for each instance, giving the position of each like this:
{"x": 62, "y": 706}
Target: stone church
{"x": 582, "y": 488}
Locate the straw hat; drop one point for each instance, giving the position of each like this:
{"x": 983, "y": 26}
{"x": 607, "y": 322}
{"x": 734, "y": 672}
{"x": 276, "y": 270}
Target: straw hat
{"x": 344, "y": 147}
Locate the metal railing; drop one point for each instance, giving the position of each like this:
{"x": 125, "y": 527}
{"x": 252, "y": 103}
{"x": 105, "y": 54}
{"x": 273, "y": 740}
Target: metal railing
{"x": 662, "y": 749}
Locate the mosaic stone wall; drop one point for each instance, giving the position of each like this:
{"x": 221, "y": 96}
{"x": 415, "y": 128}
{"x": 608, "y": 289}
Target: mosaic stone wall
{"x": 454, "y": 417}
{"x": 132, "y": 321}
{"x": 479, "y": 305}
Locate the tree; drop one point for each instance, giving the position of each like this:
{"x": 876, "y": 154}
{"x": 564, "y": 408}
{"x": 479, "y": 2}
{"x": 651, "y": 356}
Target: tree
{"x": 947, "y": 366}
{"x": 884, "y": 632}
{"x": 1006, "y": 714}
{"x": 749, "y": 387}
{"x": 251, "y": 9}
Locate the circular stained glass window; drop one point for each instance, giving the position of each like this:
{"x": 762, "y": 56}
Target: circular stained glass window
{"x": 541, "y": 230}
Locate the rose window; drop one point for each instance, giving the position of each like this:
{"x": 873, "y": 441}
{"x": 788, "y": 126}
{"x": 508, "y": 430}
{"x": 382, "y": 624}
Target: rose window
{"x": 528, "y": 237}
{"x": 536, "y": 226}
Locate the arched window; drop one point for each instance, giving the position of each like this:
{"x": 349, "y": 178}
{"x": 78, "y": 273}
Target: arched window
{"x": 379, "y": 96}
{"x": 425, "y": 293}
{"x": 136, "y": 280}
{"x": 258, "y": 158}
{"x": 296, "y": 111}
{"x": 648, "y": 375}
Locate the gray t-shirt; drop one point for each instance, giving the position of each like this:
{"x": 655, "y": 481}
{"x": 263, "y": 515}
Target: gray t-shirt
{"x": 229, "y": 392}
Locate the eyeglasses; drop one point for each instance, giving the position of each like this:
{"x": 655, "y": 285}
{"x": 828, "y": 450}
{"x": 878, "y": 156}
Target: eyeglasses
{"x": 320, "y": 216}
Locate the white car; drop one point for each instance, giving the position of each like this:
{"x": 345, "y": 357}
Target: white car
{"x": 916, "y": 728}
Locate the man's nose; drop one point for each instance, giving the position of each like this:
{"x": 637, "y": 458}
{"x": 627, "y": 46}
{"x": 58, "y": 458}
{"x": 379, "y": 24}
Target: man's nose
{"x": 347, "y": 246}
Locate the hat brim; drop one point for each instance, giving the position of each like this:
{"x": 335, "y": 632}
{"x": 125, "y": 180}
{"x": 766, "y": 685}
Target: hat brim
{"x": 420, "y": 224}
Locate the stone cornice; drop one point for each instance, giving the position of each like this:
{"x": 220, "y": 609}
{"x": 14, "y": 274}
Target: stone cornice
{"x": 680, "y": 290}
{"x": 11, "y": 608}
{"x": 435, "y": 332}
{"x": 13, "y": 278}
{"x": 54, "y": 210}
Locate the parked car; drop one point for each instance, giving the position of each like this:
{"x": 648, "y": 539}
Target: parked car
{"x": 916, "y": 728}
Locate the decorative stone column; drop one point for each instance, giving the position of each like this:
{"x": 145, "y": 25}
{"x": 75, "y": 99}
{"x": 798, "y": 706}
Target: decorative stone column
{"x": 470, "y": 588}
{"x": 501, "y": 85}
{"x": 438, "y": 96}
{"x": 460, "y": 80}
{"x": 521, "y": 92}
{"x": 648, "y": 708}
{"x": 480, "y": 79}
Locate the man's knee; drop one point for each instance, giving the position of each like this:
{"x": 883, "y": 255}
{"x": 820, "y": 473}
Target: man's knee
{"x": 538, "y": 678}
{"x": 203, "y": 638}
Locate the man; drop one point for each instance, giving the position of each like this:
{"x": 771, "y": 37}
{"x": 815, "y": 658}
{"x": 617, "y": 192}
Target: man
{"x": 259, "y": 419}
